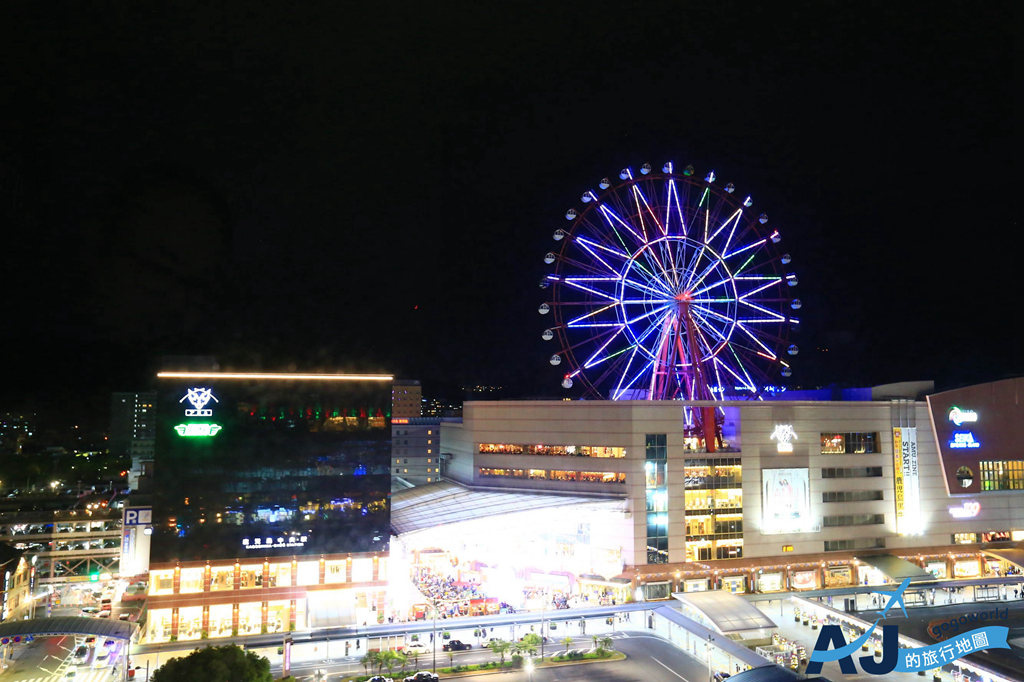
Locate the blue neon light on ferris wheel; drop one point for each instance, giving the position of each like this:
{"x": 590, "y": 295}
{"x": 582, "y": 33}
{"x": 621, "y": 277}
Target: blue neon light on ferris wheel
{"x": 666, "y": 286}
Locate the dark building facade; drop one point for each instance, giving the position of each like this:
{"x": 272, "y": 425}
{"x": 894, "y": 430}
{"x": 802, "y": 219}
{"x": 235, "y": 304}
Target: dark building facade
{"x": 268, "y": 465}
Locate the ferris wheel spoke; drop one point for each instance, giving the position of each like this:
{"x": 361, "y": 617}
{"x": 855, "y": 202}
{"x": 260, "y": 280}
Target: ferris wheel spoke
{"x": 729, "y": 370}
{"x": 713, "y": 313}
{"x": 657, "y": 265}
{"x": 593, "y": 360}
{"x": 739, "y": 363}
{"x": 593, "y": 253}
{"x": 596, "y": 292}
{"x": 613, "y": 251}
{"x": 649, "y": 313}
{"x": 643, "y": 287}
{"x": 703, "y": 290}
{"x": 734, "y": 220}
{"x": 753, "y": 245}
{"x": 575, "y": 322}
{"x": 753, "y": 337}
{"x": 759, "y": 289}
{"x": 587, "y": 267}
{"x": 672, "y": 203}
{"x": 770, "y": 313}
{"x": 613, "y": 218}
{"x": 713, "y": 264}
{"x": 632, "y": 381}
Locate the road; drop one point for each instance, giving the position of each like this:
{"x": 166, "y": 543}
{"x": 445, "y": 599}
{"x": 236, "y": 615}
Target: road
{"x": 649, "y": 658}
{"x": 49, "y": 659}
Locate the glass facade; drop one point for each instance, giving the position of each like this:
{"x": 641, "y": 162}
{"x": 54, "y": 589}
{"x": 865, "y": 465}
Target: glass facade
{"x": 714, "y": 508}
{"x": 656, "y": 491}
{"x": 271, "y": 467}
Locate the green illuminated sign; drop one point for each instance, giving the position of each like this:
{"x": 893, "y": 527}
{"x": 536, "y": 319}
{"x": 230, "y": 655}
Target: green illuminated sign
{"x": 198, "y": 430}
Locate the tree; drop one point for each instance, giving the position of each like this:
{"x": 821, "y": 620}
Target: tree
{"x": 216, "y": 664}
{"x": 567, "y": 641}
{"x": 529, "y": 644}
{"x": 606, "y": 643}
{"x": 500, "y": 647}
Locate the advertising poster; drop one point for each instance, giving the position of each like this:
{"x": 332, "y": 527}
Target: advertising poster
{"x": 907, "y": 487}
{"x": 785, "y": 501}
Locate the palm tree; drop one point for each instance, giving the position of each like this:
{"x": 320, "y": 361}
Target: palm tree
{"x": 366, "y": 661}
{"x": 567, "y": 641}
{"x": 606, "y": 643}
{"x": 595, "y": 638}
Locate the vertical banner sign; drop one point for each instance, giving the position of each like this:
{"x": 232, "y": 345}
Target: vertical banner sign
{"x": 908, "y": 490}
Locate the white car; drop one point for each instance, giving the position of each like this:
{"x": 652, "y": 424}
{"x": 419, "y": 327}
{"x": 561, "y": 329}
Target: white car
{"x": 413, "y": 648}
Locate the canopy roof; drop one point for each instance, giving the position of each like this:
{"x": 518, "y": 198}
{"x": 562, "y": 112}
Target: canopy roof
{"x": 896, "y": 568}
{"x": 444, "y": 502}
{"x": 728, "y": 612}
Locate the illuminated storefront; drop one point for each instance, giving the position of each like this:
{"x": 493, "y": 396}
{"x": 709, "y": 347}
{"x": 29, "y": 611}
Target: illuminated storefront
{"x": 262, "y": 598}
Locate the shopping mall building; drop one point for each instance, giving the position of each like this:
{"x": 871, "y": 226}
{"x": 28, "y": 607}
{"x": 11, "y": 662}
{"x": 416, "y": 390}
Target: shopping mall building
{"x": 270, "y": 506}
{"x": 606, "y": 498}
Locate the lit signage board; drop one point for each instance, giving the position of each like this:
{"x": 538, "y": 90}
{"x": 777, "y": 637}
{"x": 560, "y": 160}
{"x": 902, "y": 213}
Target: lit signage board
{"x": 967, "y": 510}
{"x": 198, "y": 430}
{"x": 964, "y": 440}
{"x": 785, "y": 501}
{"x": 784, "y": 435}
{"x": 138, "y": 516}
{"x": 906, "y": 482}
{"x": 275, "y": 542}
{"x": 960, "y": 417}
{"x": 198, "y": 398}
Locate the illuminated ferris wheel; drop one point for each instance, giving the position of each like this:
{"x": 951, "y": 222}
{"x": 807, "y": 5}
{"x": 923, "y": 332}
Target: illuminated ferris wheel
{"x": 666, "y": 286}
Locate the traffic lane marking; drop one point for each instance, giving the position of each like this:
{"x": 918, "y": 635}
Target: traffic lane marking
{"x": 669, "y": 669}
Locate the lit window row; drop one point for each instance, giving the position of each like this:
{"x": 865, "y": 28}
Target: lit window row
{"x": 251, "y": 576}
{"x": 1002, "y": 475}
{"x": 558, "y": 450}
{"x": 556, "y": 475}
{"x": 848, "y": 443}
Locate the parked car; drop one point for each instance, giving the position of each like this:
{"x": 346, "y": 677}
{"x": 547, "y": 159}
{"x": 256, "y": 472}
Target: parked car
{"x": 416, "y": 648}
{"x": 422, "y": 676}
{"x": 380, "y": 678}
{"x": 456, "y": 645}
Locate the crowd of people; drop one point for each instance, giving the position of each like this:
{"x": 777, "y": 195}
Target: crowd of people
{"x": 452, "y": 597}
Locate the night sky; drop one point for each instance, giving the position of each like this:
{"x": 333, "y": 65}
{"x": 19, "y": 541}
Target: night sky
{"x": 373, "y": 186}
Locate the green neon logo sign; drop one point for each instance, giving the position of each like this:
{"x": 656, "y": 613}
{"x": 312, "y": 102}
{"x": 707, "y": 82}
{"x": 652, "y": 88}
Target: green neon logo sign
{"x": 198, "y": 430}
